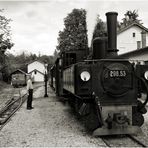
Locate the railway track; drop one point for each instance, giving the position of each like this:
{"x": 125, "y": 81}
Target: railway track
{"x": 136, "y": 140}
{"x": 122, "y": 141}
{"x": 12, "y": 106}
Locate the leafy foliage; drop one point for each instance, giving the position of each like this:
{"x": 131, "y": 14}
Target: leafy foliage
{"x": 5, "y": 43}
{"x": 21, "y": 61}
{"x": 5, "y": 33}
{"x": 130, "y": 17}
{"x": 74, "y": 35}
{"x": 100, "y": 29}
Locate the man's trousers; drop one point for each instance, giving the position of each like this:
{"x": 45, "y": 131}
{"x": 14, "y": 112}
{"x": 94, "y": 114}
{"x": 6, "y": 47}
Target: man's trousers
{"x": 29, "y": 101}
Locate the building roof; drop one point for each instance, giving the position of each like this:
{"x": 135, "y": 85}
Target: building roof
{"x": 131, "y": 25}
{"x": 36, "y": 70}
{"x": 18, "y": 70}
{"x": 135, "y": 52}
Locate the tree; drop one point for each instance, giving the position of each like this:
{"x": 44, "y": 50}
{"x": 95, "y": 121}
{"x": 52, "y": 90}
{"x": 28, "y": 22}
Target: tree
{"x": 5, "y": 43}
{"x": 130, "y": 17}
{"x": 20, "y": 61}
{"x": 5, "y": 34}
{"x": 74, "y": 35}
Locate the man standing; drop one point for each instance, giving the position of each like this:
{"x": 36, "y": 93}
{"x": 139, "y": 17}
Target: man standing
{"x": 30, "y": 93}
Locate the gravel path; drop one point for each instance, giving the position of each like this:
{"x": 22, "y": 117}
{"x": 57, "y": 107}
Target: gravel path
{"x": 50, "y": 123}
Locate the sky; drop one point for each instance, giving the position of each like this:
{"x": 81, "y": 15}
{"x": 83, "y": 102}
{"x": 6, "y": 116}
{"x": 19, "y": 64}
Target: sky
{"x": 35, "y": 24}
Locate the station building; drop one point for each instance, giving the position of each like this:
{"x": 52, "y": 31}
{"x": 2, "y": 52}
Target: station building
{"x": 131, "y": 37}
{"x": 37, "y": 70}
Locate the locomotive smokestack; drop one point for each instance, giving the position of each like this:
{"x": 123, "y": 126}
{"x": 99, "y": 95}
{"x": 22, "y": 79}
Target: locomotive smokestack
{"x": 112, "y": 33}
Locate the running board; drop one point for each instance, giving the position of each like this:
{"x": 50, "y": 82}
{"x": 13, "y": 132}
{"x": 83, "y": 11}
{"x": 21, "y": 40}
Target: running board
{"x": 126, "y": 130}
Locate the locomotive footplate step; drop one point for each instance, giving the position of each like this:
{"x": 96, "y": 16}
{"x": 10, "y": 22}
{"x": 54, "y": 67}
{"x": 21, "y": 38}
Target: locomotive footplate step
{"x": 128, "y": 130}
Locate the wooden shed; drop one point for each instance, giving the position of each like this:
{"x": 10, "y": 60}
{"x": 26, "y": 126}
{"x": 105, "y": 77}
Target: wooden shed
{"x": 18, "y": 78}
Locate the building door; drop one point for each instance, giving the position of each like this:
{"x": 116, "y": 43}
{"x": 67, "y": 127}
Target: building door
{"x": 138, "y": 44}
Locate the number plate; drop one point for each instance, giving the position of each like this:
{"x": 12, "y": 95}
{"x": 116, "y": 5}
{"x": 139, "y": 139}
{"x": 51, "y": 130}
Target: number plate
{"x": 117, "y": 73}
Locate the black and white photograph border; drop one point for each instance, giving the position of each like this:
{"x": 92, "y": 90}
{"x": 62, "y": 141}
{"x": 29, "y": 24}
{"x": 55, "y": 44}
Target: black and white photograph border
{"x": 34, "y": 56}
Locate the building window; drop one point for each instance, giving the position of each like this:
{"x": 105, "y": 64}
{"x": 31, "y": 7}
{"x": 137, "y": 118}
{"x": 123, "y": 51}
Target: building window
{"x": 35, "y": 72}
{"x": 134, "y": 34}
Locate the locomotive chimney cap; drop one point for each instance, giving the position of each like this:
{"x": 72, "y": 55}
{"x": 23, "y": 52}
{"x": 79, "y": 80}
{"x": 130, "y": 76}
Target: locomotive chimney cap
{"x": 112, "y": 13}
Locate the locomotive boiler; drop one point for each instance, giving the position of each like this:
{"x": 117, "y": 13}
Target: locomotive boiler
{"x": 104, "y": 89}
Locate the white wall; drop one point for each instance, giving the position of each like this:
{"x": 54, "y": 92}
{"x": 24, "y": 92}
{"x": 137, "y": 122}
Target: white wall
{"x": 38, "y": 77}
{"x": 126, "y": 42}
{"x": 36, "y": 65}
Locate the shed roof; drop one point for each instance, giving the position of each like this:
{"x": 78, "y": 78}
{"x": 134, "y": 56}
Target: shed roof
{"x": 18, "y": 70}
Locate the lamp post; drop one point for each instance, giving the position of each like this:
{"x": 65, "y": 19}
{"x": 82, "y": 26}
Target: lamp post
{"x": 45, "y": 80}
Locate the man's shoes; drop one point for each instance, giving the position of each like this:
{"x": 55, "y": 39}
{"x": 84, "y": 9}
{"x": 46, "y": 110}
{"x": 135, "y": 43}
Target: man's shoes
{"x": 29, "y": 108}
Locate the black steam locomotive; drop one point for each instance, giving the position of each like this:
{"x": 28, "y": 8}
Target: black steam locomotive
{"x": 104, "y": 88}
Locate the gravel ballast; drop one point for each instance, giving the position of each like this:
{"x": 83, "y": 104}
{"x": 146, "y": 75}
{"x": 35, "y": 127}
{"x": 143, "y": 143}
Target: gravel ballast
{"x": 50, "y": 123}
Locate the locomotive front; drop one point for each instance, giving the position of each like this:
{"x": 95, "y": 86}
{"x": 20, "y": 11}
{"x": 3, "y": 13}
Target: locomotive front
{"x": 105, "y": 88}
{"x": 115, "y": 88}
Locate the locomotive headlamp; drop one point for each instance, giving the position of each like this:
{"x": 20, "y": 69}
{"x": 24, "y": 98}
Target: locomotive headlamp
{"x": 85, "y": 76}
{"x": 146, "y": 75}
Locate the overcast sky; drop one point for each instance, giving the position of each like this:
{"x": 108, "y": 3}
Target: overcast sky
{"x": 36, "y": 24}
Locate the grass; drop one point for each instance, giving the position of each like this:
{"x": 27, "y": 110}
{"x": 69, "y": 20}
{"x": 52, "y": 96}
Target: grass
{"x": 3, "y": 85}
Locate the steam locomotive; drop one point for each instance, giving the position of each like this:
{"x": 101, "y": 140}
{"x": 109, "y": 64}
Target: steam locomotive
{"x": 104, "y": 89}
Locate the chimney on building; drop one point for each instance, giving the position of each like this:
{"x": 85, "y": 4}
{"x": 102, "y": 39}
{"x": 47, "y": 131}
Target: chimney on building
{"x": 143, "y": 38}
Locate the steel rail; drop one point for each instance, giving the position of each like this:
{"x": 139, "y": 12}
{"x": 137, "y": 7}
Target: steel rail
{"x": 11, "y": 105}
{"x": 106, "y": 142}
{"x": 9, "y": 108}
{"x": 136, "y": 140}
